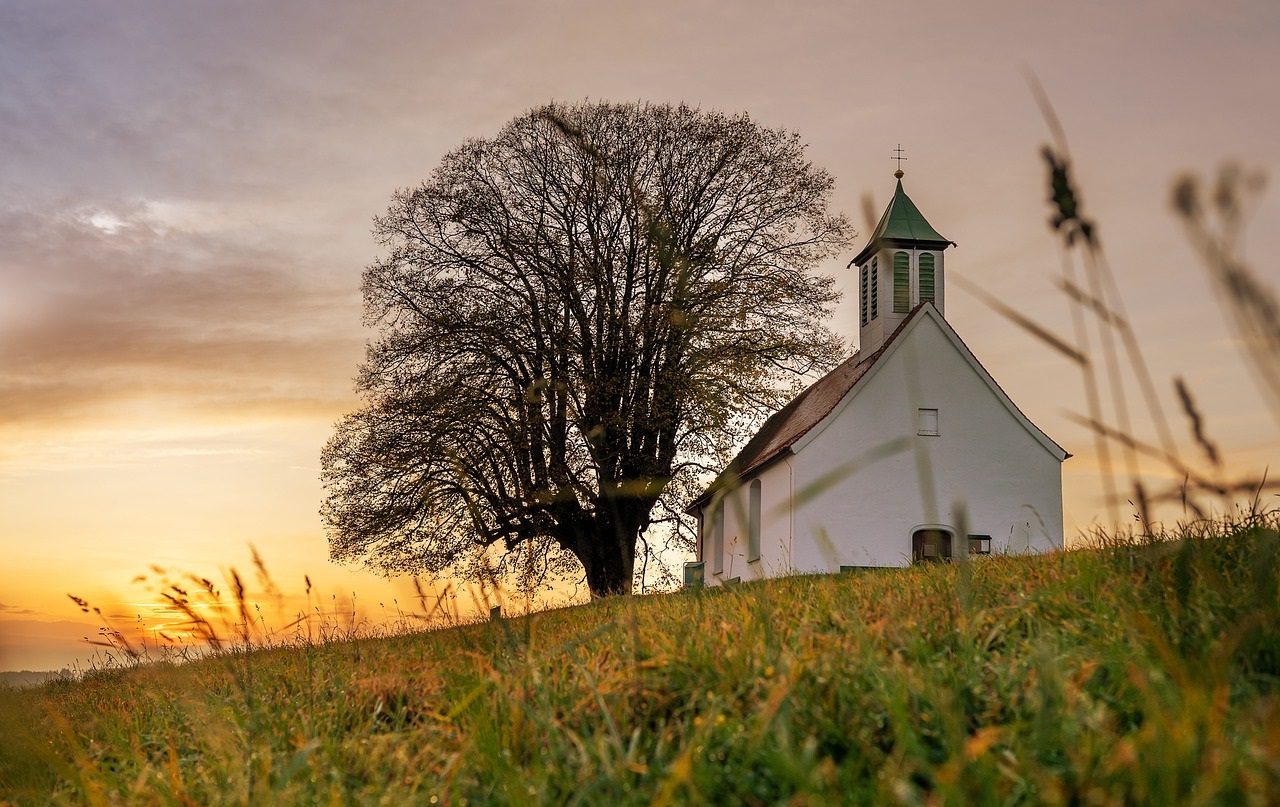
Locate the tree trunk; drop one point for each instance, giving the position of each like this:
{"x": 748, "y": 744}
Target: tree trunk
{"x": 608, "y": 555}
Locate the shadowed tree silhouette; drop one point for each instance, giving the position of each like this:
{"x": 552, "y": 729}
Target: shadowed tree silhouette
{"x": 577, "y": 318}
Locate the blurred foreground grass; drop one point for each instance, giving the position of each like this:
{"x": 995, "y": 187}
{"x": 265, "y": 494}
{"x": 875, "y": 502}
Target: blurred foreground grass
{"x": 1134, "y": 672}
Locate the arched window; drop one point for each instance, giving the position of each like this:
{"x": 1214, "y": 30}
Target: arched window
{"x": 753, "y": 521}
{"x": 875, "y": 288}
{"x": 901, "y": 282}
{"x": 926, "y": 279}
{"x": 717, "y": 539}
{"x": 931, "y": 546}
{"x": 866, "y": 294}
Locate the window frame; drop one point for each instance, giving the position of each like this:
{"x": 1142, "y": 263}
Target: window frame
{"x": 875, "y": 289}
{"x": 983, "y": 543}
{"x": 901, "y": 282}
{"x": 933, "y": 278}
{"x": 717, "y": 538}
{"x": 866, "y": 294}
{"x": 919, "y": 545}
{"x": 928, "y": 422}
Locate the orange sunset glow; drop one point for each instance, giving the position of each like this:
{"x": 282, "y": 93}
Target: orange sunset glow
{"x": 187, "y": 192}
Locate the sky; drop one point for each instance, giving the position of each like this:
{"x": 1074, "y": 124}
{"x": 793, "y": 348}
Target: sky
{"x": 186, "y": 193}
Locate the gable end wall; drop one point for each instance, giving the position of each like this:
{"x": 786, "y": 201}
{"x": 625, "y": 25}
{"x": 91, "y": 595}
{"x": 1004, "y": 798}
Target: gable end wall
{"x": 986, "y": 469}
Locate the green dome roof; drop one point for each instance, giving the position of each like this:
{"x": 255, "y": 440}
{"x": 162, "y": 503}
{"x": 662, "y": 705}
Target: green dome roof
{"x": 903, "y": 223}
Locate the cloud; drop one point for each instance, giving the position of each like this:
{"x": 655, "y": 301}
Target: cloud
{"x": 187, "y": 198}
{"x": 224, "y": 100}
{"x": 14, "y": 610}
{"x": 140, "y": 309}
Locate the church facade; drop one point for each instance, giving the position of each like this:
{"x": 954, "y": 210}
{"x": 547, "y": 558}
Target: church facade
{"x": 907, "y": 452}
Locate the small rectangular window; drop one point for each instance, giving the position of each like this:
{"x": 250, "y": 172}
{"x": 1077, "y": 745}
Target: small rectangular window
{"x": 927, "y": 423}
{"x": 979, "y": 544}
{"x": 694, "y": 575}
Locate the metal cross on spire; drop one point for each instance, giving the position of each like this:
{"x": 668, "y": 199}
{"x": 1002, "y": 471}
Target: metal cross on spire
{"x": 897, "y": 155}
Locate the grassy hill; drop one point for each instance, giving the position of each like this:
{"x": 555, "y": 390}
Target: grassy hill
{"x": 1139, "y": 673}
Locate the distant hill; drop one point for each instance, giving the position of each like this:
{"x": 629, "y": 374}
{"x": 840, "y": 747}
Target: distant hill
{"x": 27, "y": 678}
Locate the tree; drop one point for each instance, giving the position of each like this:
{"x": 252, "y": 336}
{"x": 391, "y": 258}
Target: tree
{"x": 575, "y": 319}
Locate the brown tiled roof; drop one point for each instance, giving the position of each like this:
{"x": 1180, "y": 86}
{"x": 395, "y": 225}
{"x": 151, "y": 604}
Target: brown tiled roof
{"x": 793, "y": 421}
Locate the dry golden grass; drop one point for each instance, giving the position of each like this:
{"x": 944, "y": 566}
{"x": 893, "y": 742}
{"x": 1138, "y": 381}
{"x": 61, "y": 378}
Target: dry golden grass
{"x": 1132, "y": 672}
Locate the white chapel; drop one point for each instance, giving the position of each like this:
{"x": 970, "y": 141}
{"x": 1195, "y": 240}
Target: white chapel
{"x": 907, "y": 452}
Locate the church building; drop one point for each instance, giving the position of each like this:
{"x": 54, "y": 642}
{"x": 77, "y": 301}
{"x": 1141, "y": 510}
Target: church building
{"x": 907, "y": 452}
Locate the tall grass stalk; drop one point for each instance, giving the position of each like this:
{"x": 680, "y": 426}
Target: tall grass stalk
{"x": 1214, "y": 222}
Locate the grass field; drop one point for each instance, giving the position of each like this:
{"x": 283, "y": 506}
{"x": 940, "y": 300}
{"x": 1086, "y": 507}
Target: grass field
{"x": 1143, "y": 672}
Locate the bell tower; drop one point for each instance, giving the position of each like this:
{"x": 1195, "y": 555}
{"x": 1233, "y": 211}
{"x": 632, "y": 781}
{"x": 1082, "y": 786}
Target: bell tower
{"x": 900, "y": 267}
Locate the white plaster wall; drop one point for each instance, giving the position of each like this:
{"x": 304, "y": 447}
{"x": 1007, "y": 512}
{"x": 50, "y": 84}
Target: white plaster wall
{"x": 775, "y": 529}
{"x": 871, "y": 335}
{"x": 985, "y": 469}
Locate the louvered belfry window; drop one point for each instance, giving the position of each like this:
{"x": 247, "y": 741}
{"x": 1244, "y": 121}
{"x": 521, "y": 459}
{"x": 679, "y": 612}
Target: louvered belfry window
{"x": 875, "y": 289}
{"x": 901, "y": 282}
{"x": 926, "y": 279}
{"x": 866, "y": 295}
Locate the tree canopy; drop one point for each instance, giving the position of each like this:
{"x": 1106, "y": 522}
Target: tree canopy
{"x": 577, "y": 320}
